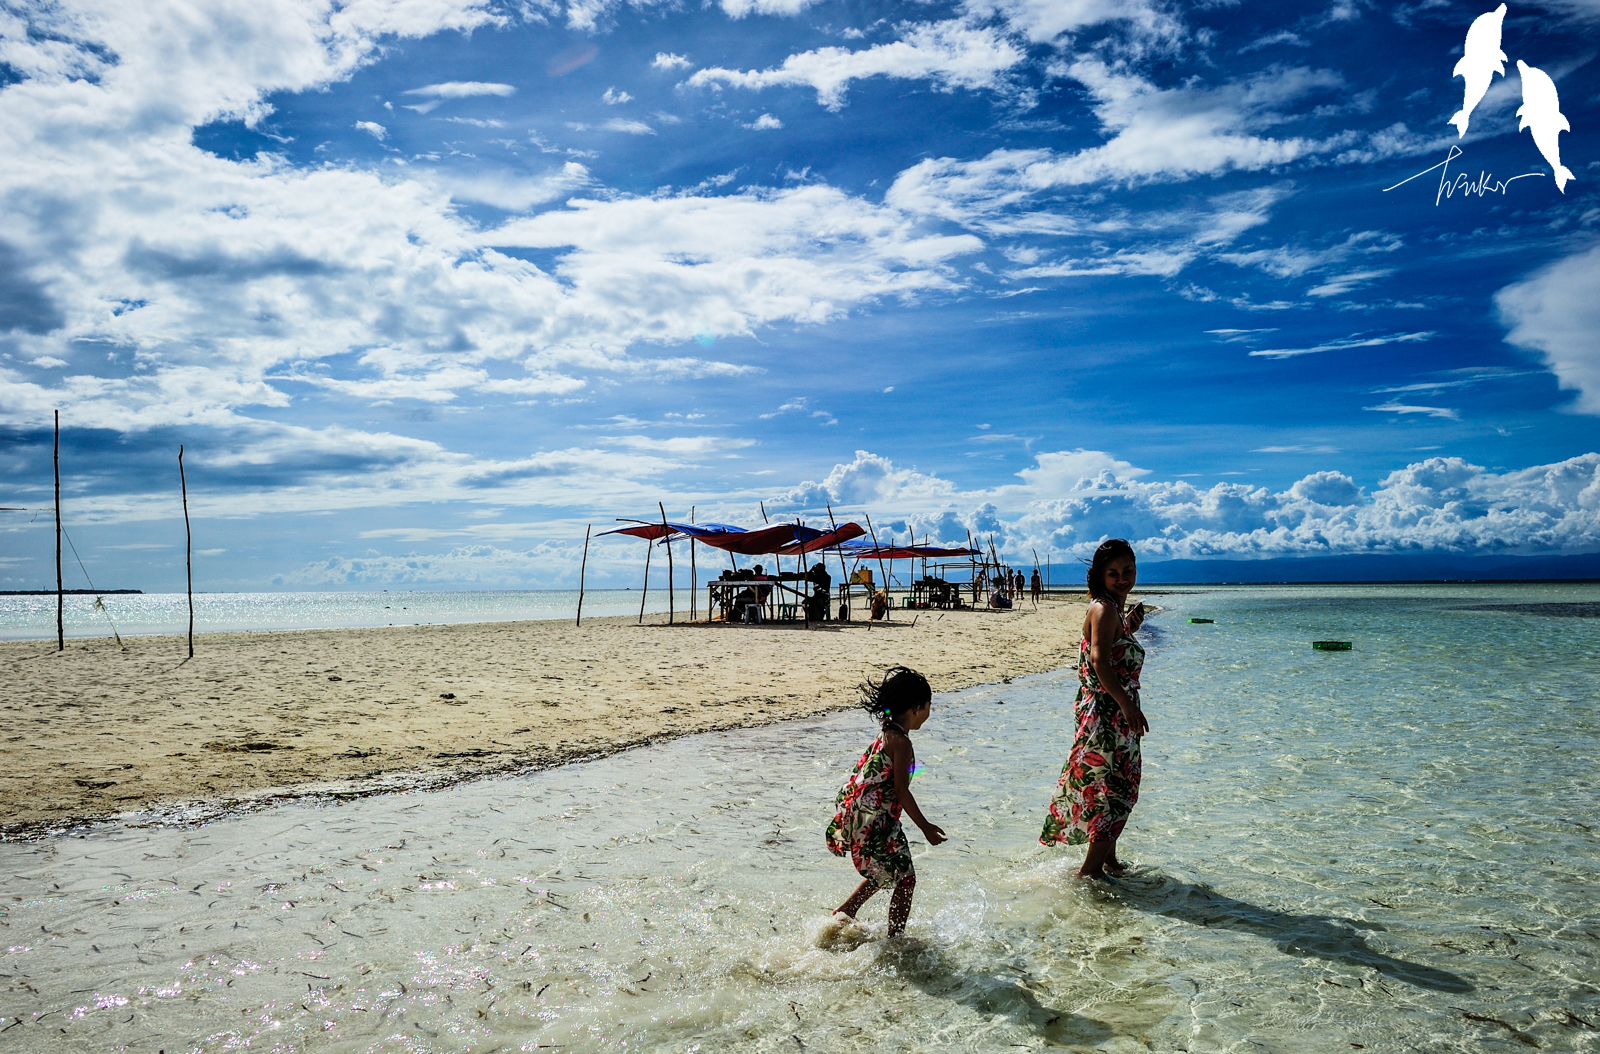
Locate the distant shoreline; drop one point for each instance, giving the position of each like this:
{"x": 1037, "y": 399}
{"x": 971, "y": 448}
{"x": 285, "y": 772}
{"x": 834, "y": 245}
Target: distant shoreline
{"x": 67, "y": 592}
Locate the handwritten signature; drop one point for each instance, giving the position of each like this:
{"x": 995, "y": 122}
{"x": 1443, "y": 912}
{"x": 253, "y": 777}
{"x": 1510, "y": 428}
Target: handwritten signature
{"x": 1484, "y": 184}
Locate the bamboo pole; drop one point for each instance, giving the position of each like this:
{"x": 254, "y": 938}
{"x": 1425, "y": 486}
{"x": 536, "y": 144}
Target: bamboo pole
{"x": 583, "y": 569}
{"x": 881, "y": 571}
{"x": 671, "y": 582}
{"x": 804, "y": 565}
{"x": 188, "y": 547}
{"x": 646, "y": 592}
{"x": 694, "y": 578}
{"x": 61, "y": 618}
{"x": 838, "y": 547}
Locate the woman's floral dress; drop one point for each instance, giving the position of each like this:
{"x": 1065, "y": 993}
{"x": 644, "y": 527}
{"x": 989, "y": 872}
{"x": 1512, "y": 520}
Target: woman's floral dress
{"x": 1100, "y": 781}
{"x": 867, "y": 823}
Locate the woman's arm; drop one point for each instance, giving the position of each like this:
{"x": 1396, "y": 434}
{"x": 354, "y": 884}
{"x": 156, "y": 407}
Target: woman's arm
{"x": 902, "y": 756}
{"x": 1104, "y": 630}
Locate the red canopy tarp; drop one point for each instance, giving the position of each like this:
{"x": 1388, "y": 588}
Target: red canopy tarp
{"x": 784, "y": 539}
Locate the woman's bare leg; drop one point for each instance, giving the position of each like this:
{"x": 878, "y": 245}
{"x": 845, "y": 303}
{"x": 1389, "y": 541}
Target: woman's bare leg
{"x": 1094, "y": 861}
{"x": 858, "y": 899}
{"x": 900, "y": 904}
{"x": 1112, "y": 864}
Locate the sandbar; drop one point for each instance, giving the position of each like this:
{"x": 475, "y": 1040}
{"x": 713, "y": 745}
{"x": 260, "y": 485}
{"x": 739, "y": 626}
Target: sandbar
{"x": 94, "y": 733}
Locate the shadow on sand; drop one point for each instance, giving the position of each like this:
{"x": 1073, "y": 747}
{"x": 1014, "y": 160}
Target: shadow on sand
{"x": 1320, "y": 936}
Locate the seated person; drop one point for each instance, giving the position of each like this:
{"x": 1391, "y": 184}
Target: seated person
{"x": 880, "y": 604}
{"x": 998, "y": 599}
{"x": 817, "y": 609}
{"x": 763, "y": 592}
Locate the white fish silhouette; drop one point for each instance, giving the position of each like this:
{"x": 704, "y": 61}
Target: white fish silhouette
{"x": 1481, "y": 59}
{"x": 1541, "y": 111}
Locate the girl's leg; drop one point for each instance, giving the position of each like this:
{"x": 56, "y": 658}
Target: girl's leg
{"x": 1094, "y": 861}
{"x": 900, "y": 904}
{"x": 858, "y": 899}
{"x": 1112, "y": 864}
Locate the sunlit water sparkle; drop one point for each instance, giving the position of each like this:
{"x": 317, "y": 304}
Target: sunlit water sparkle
{"x": 134, "y": 614}
{"x": 1391, "y": 848}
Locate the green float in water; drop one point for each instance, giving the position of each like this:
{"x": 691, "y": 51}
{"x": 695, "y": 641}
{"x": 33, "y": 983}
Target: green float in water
{"x": 1203, "y": 621}
{"x": 1331, "y": 645}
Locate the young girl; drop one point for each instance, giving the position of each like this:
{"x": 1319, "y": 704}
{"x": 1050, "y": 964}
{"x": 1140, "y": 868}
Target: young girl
{"x": 867, "y": 824}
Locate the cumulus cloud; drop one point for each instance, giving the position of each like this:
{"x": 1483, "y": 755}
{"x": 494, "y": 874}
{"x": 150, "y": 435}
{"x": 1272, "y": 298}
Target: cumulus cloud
{"x": 1072, "y": 500}
{"x": 953, "y": 53}
{"x": 668, "y": 62}
{"x": 1555, "y": 314}
{"x": 372, "y": 128}
{"x": 245, "y": 283}
{"x": 766, "y": 122}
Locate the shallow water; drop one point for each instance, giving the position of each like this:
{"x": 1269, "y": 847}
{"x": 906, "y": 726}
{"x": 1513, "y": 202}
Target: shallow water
{"x": 1390, "y": 848}
{"x": 134, "y": 614}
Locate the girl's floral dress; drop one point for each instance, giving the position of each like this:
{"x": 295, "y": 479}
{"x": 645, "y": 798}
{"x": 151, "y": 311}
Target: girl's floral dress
{"x": 867, "y": 823}
{"x": 1100, "y": 781}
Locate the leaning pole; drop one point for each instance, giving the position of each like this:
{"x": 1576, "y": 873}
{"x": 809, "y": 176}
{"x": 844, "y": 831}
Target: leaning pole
{"x": 61, "y": 622}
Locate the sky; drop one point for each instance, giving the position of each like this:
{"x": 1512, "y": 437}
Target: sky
{"x": 425, "y": 287}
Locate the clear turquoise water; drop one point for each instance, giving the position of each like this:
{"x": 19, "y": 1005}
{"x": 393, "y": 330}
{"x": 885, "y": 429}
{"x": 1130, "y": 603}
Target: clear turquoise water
{"x": 1391, "y": 848}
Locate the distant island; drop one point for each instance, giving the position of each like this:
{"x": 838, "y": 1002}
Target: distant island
{"x": 68, "y": 592}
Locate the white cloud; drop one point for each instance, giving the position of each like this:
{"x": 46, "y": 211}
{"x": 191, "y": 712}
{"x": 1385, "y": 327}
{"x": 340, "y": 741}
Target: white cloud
{"x": 612, "y": 97}
{"x": 954, "y": 53}
{"x": 1554, "y": 313}
{"x": 1145, "y": 25}
{"x": 1344, "y": 344}
{"x": 252, "y": 282}
{"x": 462, "y": 90}
{"x": 765, "y": 122}
{"x": 667, "y": 61}
{"x": 622, "y": 124}
{"x": 372, "y": 128}
{"x": 1395, "y": 407}
{"x": 1071, "y": 500}
{"x": 741, "y": 8}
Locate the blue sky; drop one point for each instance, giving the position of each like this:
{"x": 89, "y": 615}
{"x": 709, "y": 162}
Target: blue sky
{"x": 424, "y": 286}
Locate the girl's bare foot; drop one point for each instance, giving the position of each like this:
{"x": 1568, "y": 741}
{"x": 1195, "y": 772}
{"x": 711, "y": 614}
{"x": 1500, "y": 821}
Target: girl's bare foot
{"x": 1115, "y": 867}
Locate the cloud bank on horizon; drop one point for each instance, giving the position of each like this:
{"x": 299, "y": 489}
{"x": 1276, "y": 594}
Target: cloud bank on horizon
{"x": 421, "y": 281}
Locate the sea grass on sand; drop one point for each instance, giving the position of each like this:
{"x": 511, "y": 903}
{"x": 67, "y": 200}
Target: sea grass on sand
{"x": 94, "y": 732}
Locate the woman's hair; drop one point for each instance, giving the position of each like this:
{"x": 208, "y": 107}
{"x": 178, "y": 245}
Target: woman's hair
{"x": 1110, "y": 549}
{"x": 899, "y": 691}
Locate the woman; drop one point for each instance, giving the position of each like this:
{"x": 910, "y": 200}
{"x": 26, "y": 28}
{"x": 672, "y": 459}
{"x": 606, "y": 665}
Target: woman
{"x": 1100, "y": 781}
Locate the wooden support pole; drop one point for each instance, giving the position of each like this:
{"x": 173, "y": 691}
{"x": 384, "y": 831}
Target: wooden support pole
{"x": 61, "y": 620}
{"x": 188, "y": 547}
{"x": 694, "y": 578}
{"x": 646, "y": 591}
{"x": 881, "y": 571}
{"x": 583, "y": 569}
{"x": 671, "y": 581}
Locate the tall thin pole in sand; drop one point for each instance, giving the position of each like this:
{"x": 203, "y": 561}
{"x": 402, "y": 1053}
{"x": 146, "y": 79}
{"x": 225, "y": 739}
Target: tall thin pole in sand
{"x": 671, "y": 582}
{"x": 881, "y": 571}
{"x": 188, "y": 547}
{"x": 694, "y": 578}
{"x": 649, "y": 544}
{"x": 61, "y": 620}
{"x": 582, "y": 570}
{"x": 838, "y": 547}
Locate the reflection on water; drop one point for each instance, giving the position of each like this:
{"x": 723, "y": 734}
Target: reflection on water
{"x": 1385, "y": 849}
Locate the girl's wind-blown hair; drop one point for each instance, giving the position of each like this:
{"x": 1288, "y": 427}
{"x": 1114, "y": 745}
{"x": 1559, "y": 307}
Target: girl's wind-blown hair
{"x": 900, "y": 690}
{"x": 1110, "y": 549}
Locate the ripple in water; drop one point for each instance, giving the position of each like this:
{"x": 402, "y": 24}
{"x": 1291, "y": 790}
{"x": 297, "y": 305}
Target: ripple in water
{"x": 1388, "y": 849}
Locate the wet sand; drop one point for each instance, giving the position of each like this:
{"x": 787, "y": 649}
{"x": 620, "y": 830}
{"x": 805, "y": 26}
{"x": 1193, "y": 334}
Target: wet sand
{"x": 94, "y": 732}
